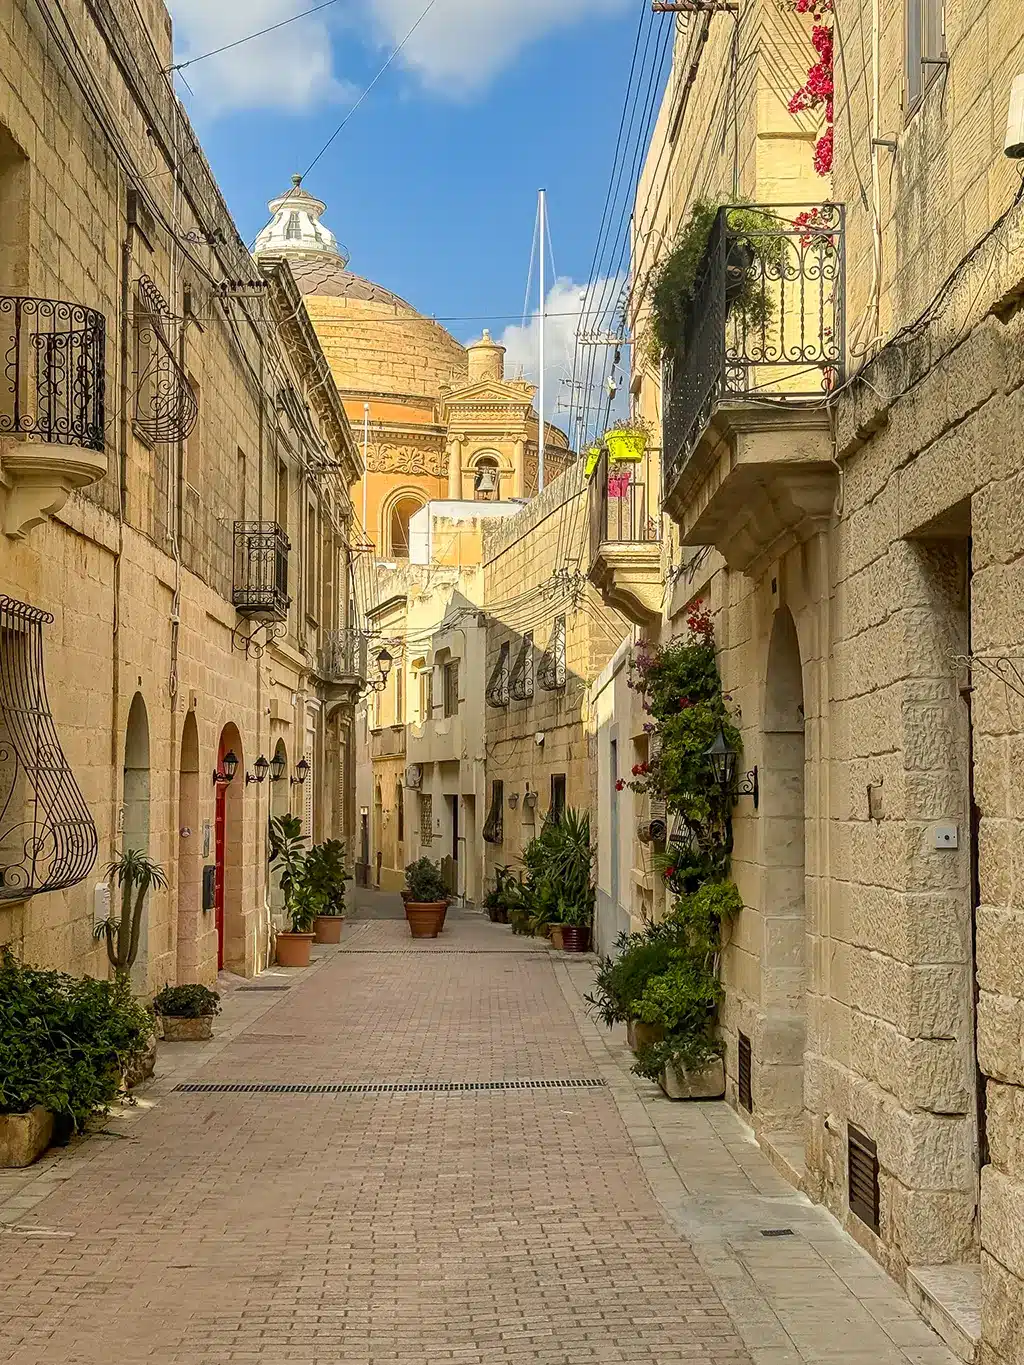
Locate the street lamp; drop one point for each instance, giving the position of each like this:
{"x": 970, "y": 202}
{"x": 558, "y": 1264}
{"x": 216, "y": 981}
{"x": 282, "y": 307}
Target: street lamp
{"x": 301, "y": 772}
{"x": 384, "y": 662}
{"x": 277, "y": 766}
{"x": 228, "y": 767}
{"x": 260, "y": 769}
{"x": 721, "y": 757}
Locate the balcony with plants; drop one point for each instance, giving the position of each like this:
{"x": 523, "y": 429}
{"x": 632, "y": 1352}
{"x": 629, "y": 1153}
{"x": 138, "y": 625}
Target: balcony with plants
{"x": 625, "y": 524}
{"x": 52, "y": 406}
{"x": 748, "y": 312}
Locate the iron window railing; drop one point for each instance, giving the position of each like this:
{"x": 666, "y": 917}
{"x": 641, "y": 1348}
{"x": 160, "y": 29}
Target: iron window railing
{"x": 261, "y": 570}
{"x": 47, "y": 836}
{"x": 54, "y": 358}
{"x": 166, "y": 406}
{"x": 494, "y": 825}
{"x": 766, "y": 320}
{"x": 498, "y": 689}
{"x": 622, "y": 508}
{"x": 521, "y": 679}
{"x": 551, "y": 669}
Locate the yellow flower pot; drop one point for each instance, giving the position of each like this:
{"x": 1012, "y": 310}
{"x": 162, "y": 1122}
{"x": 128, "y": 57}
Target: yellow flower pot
{"x": 593, "y": 454}
{"x": 626, "y": 445}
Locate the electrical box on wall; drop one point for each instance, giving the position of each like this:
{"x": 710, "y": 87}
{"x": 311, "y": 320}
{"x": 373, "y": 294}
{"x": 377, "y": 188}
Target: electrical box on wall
{"x": 947, "y": 836}
{"x": 210, "y": 887}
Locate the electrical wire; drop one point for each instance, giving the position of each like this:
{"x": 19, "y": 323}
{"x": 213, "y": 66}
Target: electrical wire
{"x": 227, "y": 47}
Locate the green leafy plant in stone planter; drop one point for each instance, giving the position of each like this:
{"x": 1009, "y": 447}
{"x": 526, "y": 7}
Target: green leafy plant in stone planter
{"x": 186, "y": 1013}
{"x": 66, "y": 1044}
{"x": 328, "y": 876}
{"x": 426, "y": 898}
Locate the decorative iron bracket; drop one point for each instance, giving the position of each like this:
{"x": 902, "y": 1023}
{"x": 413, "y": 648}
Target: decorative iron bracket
{"x": 1004, "y": 667}
{"x": 166, "y": 410}
{"x": 255, "y": 648}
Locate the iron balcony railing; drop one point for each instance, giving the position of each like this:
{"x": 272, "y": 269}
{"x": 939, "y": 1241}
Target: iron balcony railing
{"x": 766, "y": 322}
{"x": 342, "y": 656}
{"x": 54, "y": 372}
{"x": 261, "y": 570}
{"x": 623, "y": 504}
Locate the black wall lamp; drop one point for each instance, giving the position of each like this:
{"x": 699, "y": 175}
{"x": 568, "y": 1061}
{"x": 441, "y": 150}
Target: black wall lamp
{"x": 259, "y": 773}
{"x": 228, "y": 767}
{"x": 277, "y": 766}
{"x": 301, "y": 772}
{"x": 384, "y": 662}
{"x": 722, "y": 758}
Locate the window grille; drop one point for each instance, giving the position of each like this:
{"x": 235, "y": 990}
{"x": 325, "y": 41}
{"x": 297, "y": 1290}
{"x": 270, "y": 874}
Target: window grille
{"x": 451, "y": 688}
{"x": 166, "y": 409}
{"x": 497, "y": 693}
{"x": 521, "y": 681}
{"x": 551, "y": 670}
{"x": 47, "y": 836}
{"x": 426, "y": 818}
{"x": 494, "y": 825}
{"x": 54, "y": 366}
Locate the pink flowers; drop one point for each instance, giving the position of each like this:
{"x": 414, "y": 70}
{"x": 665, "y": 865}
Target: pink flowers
{"x": 823, "y": 153}
{"x": 669, "y": 873}
{"x": 640, "y": 769}
{"x": 620, "y": 784}
{"x": 685, "y": 703}
{"x": 819, "y": 87}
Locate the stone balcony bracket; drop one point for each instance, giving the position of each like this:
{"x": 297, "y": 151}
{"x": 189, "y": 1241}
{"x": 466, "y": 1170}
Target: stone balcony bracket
{"x": 628, "y": 576}
{"x": 37, "y": 479}
{"x": 760, "y": 481}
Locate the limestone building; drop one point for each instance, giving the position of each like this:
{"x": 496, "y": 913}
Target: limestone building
{"x": 176, "y": 520}
{"x": 839, "y": 483}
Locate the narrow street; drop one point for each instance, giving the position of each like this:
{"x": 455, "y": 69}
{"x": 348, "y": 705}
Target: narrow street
{"x": 561, "y": 1213}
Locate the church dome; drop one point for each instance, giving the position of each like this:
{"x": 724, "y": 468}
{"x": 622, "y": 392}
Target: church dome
{"x": 375, "y": 342}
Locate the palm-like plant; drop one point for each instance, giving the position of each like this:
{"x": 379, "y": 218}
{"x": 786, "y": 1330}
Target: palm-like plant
{"x": 136, "y": 876}
{"x": 288, "y": 856}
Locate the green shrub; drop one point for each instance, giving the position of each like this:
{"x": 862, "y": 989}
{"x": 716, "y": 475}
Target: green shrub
{"x": 325, "y": 871}
{"x": 424, "y": 882}
{"x": 187, "y": 1002}
{"x": 65, "y": 1042}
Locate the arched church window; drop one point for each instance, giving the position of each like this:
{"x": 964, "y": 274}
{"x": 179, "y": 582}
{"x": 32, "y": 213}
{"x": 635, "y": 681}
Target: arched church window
{"x": 401, "y": 514}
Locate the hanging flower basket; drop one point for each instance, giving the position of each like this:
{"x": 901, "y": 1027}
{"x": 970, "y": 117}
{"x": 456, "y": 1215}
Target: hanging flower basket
{"x": 626, "y": 443}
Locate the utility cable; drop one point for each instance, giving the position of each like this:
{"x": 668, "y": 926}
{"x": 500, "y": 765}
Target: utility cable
{"x": 227, "y": 47}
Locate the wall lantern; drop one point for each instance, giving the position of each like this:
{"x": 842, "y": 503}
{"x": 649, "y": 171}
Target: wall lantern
{"x": 384, "y": 662}
{"x": 301, "y": 772}
{"x": 530, "y": 800}
{"x": 277, "y": 766}
{"x": 259, "y": 773}
{"x": 722, "y": 759}
{"x": 513, "y": 800}
{"x": 228, "y": 767}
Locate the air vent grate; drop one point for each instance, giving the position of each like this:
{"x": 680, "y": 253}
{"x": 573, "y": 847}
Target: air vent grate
{"x": 862, "y": 1171}
{"x": 777, "y": 1232}
{"x": 743, "y": 1069}
{"x": 378, "y": 1087}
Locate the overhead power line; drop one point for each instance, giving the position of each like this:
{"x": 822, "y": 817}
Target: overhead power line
{"x": 272, "y": 28}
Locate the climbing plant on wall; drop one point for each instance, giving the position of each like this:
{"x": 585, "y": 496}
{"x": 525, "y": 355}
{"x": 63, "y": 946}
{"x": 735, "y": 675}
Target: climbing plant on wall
{"x": 818, "y": 90}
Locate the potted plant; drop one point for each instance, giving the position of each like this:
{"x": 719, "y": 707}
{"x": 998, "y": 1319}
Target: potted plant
{"x": 186, "y": 1013}
{"x": 426, "y": 898}
{"x": 577, "y": 922}
{"x": 496, "y": 900}
{"x": 301, "y": 901}
{"x": 627, "y": 441}
{"x": 325, "y": 867}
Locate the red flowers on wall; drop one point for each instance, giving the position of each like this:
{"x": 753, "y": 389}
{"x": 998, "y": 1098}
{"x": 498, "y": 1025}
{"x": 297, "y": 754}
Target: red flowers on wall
{"x": 819, "y": 88}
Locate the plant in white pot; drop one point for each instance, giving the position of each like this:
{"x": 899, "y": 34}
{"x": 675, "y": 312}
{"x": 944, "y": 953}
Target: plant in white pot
{"x": 187, "y": 1013}
{"x": 327, "y": 874}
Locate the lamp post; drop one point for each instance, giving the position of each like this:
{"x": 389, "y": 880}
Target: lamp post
{"x": 384, "y": 662}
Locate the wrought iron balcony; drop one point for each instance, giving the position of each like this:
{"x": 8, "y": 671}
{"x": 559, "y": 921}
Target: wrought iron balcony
{"x": 766, "y": 321}
{"x": 342, "y": 657}
{"x": 54, "y": 357}
{"x": 261, "y": 570}
{"x": 625, "y": 538}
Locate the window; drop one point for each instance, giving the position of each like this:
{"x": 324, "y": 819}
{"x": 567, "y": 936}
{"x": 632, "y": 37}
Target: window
{"x": 426, "y": 818}
{"x": 311, "y": 558}
{"x": 924, "y": 40}
{"x": 282, "y": 495}
{"x": 400, "y": 807}
{"x": 451, "y": 688}
{"x": 398, "y": 539}
{"x": 494, "y": 825}
{"x": 426, "y": 694}
{"x": 557, "y": 795}
{"x": 399, "y": 674}
{"x": 293, "y": 230}
{"x": 193, "y": 442}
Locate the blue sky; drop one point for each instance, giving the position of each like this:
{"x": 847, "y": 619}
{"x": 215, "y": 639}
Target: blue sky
{"x": 432, "y": 185}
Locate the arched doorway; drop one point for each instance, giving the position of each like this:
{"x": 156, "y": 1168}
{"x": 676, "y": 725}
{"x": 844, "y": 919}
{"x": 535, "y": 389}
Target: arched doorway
{"x": 190, "y": 929}
{"x": 779, "y": 1100}
{"x": 228, "y": 836}
{"x": 398, "y": 514}
{"x": 280, "y": 797}
{"x": 135, "y": 832}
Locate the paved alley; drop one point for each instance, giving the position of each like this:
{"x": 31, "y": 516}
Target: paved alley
{"x": 488, "y": 1221}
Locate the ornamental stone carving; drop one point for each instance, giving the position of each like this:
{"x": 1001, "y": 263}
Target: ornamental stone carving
{"x": 408, "y": 459}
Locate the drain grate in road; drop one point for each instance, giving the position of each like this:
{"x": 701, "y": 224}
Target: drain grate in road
{"x": 264, "y": 988}
{"x": 379, "y": 1087}
{"x": 777, "y": 1232}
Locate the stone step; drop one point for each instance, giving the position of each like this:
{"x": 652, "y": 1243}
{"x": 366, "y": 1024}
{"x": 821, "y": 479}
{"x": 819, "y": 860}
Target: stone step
{"x": 948, "y": 1297}
{"x": 785, "y": 1150}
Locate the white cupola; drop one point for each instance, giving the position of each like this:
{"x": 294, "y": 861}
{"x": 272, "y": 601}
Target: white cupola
{"x": 296, "y": 229}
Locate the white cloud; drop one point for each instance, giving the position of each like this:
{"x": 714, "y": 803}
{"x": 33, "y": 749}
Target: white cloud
{"x": 462, "y": 44}
{"x": 291, "y": 69}
{"x": 567, "y": 303}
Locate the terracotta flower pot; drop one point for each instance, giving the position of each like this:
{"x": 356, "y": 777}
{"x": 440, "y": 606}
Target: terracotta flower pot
{"x": 327, "y": 928}
{"x": 556, "y": 936}
{"x": 293, "y": 949}
{"x": 179, "y": 1030}
{"x": 425, "y": 917}
{"x": 576, "y": 938}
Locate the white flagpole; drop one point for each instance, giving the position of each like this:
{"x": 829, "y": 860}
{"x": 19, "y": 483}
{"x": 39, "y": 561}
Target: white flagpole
{"x": 541, "y": 428}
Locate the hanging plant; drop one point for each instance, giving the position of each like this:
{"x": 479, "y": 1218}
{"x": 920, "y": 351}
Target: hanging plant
{"x": 627, "y": 440}
{"x": 675, "y": 280}
{"x": 819, "y": 88}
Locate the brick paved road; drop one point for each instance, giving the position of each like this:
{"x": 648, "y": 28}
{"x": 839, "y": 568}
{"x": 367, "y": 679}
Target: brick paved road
{"x": 489, "y": 1228}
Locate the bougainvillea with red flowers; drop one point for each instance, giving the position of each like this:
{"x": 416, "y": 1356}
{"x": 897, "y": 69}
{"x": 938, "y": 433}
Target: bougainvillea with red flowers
{"x": 818, "y": 91}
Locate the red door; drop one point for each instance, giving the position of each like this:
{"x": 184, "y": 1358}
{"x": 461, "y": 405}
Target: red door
{"x": 222, "y": 793}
